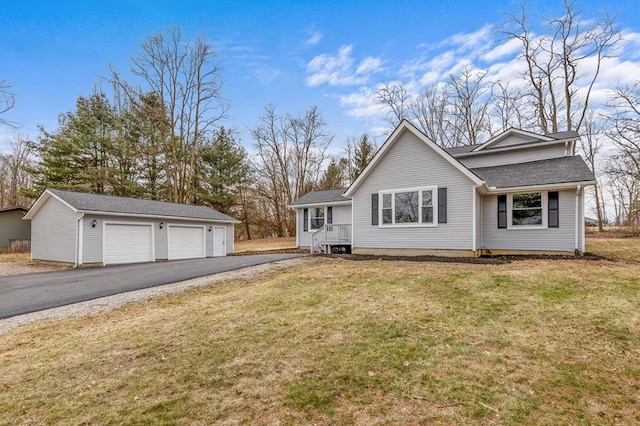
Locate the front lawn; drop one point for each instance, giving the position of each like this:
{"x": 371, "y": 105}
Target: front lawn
{"x": 334, "y": 341}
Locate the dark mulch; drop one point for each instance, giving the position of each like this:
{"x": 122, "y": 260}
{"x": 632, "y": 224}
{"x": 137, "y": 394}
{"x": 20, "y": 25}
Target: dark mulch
{"x": 485, "y": 260}
{"x": 274, "y": 251}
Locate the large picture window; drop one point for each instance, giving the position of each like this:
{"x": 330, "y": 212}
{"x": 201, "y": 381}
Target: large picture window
{"x": 415, "y": 206}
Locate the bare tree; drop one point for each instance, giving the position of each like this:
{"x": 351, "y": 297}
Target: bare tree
{"x": 395, "y": 97}
{"x": 470, "y": 107}
{"x": 559, "y": 66}
{"x": 430, "y": 110}
{"x": 14, "y": 176}
{"x": 591, "y": 144}
{"x": 624, "y": 165}
{"x": 7, "y": 101}
{"x": 187, "y": 82}
{"x": 508, "y": 108}
{"x": 291, "y": 151}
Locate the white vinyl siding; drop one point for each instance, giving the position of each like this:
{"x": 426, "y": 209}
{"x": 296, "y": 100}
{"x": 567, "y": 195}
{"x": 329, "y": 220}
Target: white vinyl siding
{"x": 524, "y": 155}
{"x": 186, "y": 242}
{"x": 54, "y": 233}
{"x": 411, "y": 163}
{"x": 127, "y": 243}
{"x": 531, "y": 239}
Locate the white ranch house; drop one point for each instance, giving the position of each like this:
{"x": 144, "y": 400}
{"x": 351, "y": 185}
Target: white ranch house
{"x": 519, "y": 192}
{"x": 82, "y": 228}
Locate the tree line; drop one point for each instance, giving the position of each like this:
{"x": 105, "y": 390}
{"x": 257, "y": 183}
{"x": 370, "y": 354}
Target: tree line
{"x": 159, "y": 133}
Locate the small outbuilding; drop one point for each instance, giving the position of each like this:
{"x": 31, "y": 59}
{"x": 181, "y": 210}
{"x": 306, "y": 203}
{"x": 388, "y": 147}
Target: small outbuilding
{"x": 82, "y": 228}
{"x": 12, "y": 227}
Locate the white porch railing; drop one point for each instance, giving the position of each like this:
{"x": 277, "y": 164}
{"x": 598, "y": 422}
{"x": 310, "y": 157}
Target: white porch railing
{"x": 330, "y": 235}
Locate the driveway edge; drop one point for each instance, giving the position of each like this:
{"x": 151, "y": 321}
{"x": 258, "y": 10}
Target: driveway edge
{"x": 109, "y": 303}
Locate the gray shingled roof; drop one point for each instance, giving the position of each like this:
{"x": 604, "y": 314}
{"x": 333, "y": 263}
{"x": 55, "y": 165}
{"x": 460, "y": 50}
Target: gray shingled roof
{"x": 108, "y": 203}
{"x": 542, "y": 172}
{"x": 461, "y": 149}
{"x": 564, "y": 135}
{"x": 321, "y": 197}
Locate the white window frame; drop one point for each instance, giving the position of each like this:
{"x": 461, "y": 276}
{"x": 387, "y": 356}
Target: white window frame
{"x": 545, "y": 211}
{"x": 392, "y": 192}
{"x": 324, "y": 217}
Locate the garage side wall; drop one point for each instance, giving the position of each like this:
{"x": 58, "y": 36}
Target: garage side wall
{"x": 53, "y": 233}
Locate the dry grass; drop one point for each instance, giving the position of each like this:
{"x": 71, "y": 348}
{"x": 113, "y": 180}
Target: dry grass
{"x": 5, "y": 257}
{"x": 265, "y": 244}
{"x": 626, "y": 249}
{"x": 341, "y": 342}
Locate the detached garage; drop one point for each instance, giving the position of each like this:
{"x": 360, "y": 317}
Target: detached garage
{"x": 82, "y": 228}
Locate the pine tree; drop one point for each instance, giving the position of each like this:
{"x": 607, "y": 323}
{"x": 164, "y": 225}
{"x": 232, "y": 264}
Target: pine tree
{"x": 223, "y": 166}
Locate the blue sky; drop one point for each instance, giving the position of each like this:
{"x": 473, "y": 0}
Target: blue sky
{"x": 291, "y": 54}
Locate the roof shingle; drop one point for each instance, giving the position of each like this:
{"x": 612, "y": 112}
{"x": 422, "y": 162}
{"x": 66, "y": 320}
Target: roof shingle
{"x": 321, "y": 197}
{"x": 113, "y": 204}
{"x": 541, "y": 172}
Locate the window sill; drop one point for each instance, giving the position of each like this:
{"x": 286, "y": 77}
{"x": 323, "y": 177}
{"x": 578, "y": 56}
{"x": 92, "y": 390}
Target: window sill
{"x": 410, "y": 225}
{"x": 526, "y": 227}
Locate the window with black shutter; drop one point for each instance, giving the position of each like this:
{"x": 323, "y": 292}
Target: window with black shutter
{"x": 305, "y": 218}
{"x": 374, "y": 209}
{"x": 502, "y": 211}
{"x": 554, "y": 218}
{"x": 442, "y": 205}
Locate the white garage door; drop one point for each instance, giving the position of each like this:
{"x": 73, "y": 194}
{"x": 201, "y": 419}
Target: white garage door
{"x": 186, "y": 242}
{"x": 128, "y": 243}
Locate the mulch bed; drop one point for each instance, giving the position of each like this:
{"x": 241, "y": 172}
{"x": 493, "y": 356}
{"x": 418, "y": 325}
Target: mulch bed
{"x": 488, "y": 260}
{"x": 275, "y": 251}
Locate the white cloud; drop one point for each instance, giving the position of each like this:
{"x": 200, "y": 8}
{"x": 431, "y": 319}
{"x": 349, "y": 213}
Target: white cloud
{"x": 471, "y": 41}
{"x": 264, "y": 73}
{"x": 338, "y": 70}
{"x": 362, "y": 104}
{"x": 509, "y": 48}
{"x": 369, "y": 65}
{"x": 313, "y": 39}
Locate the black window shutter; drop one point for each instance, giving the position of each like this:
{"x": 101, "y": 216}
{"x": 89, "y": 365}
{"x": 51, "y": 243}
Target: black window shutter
{"x": 374, "y": 209}
{"x": 554, "y": 218}
{"x": 329, "y": 215}
{"x": 502, "y": 211}
{"x": 442, "y": 205}
{"x": 305, "y": 225}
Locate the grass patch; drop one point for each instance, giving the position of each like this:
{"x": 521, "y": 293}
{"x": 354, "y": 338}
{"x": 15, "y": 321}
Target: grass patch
{"x": 265, "y": 244}
{"x": 334, "y": 341}
{"x": 626, "y": 249}
{"x": 6, "y": 257}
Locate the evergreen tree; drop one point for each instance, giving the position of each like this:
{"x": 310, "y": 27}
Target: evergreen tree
{"x": 77, "y": 155}
{"x": 334, "y": 176}
{"x": 363, "y": 152}
{"x": 223, "y": 166}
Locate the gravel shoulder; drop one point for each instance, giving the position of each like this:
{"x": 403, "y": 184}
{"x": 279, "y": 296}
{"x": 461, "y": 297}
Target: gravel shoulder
{"x": 17, "y": 268}
{"x": 113, "y": 302}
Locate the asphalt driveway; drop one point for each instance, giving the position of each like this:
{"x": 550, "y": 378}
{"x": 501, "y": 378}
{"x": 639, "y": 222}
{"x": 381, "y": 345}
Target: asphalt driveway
{"x": 21, "y": 294}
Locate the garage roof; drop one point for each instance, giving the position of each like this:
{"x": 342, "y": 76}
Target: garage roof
{"x": 104, "y": 204}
